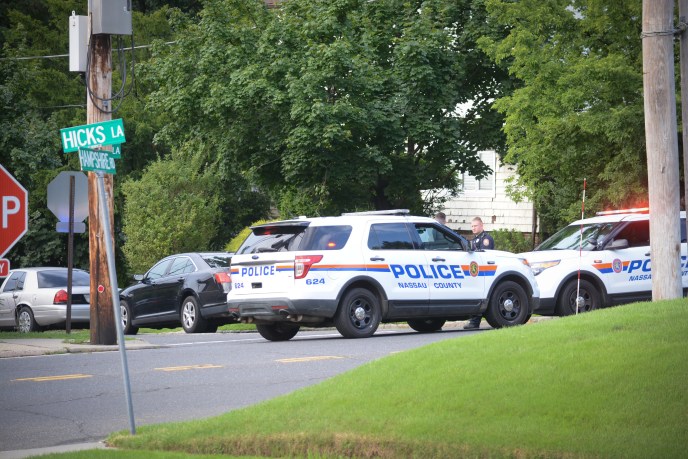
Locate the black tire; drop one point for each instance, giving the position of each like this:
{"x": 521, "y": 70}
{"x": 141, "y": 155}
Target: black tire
{"x": 279, "y": 331}
{"x": 508, "y": 305}
{"x": 190, "y": 316}
{"x": 26, "y": 323}
{"x": 125, "y": 312}
{"x": 211, "y": 327}
{"x": 359, "y": 314}
{"x": 592, "y": 299}
{"x": 427, "y": 325}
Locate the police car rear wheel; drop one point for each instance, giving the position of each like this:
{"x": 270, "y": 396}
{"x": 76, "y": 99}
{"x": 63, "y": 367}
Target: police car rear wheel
{"x": 427, "y": 325}
{"x": 508, "y": 305}
{"x": 590, "y": 298}
{"x": 279, "y": 331}
{"x": 358, "y": 315}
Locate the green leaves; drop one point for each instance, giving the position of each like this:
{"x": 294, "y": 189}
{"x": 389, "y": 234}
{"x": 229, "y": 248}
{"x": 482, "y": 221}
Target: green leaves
{"x": 578, "y": 111}
{"x": 173, "y": 208}
{"x": 350, "y": 103}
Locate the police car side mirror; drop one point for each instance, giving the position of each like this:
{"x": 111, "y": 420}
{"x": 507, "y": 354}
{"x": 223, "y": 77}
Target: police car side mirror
{"x": 618, "y": 244}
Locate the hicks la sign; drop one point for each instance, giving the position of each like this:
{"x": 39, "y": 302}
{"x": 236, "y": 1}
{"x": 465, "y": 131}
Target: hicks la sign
{"x": 91, "y": 135}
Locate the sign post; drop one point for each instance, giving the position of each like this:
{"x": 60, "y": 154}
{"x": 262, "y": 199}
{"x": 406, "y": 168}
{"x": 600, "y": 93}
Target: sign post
{"x": 14, "y": 215}
{"x": 68, "y": 200}
{"x": 88, "y": 140}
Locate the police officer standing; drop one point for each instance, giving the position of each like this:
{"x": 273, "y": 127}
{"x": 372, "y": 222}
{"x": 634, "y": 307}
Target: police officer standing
{"x": 481, "y": 241}
{"x": 481, "y": 238}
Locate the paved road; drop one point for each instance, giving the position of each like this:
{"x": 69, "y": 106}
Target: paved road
{"x": 74, "y": 398}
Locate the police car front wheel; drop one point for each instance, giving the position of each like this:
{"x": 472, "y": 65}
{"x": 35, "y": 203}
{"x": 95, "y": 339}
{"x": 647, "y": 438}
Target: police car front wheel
{"x": 508, "y": 305}
{"x": 586, "y": 298}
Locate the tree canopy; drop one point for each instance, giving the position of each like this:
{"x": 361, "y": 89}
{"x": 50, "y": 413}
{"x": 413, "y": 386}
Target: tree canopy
{"x": 578, "y": 112}
{"x": 336, "y": 105}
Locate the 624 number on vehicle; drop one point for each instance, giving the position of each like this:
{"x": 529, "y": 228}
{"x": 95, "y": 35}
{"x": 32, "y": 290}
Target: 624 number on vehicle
{"x": 315, "y": 281}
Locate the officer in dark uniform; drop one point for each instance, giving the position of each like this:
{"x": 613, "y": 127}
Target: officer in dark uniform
{"x": 481, "y": 241}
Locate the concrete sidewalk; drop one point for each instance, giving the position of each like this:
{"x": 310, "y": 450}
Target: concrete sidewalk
{"x": 24, "y": 453}
{"x": 44, "y": 346}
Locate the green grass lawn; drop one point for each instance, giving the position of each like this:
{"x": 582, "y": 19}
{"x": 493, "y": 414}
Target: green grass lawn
{"x": 610, "y": 383}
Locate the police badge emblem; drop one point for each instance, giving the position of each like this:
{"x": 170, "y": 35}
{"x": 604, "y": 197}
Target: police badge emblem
{"x": 617, "y": 266}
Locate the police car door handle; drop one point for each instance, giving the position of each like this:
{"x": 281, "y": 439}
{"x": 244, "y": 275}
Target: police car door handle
{"x": 490, "y": 262}
{"x": 377, "y": 259}
{"x": 438, "y": 259}
{"x": 647, "y": 254}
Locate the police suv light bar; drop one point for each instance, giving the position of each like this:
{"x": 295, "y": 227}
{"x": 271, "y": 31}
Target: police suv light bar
{"x": 637, "y": 210}
{"x": 379, "y": 212}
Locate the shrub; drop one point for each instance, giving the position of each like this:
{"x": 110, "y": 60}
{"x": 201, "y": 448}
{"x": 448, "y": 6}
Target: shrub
{"x": 511, "y": 241}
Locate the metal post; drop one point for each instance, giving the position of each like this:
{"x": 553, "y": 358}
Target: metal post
{"x": 105, "y": 220}
{"x": 70, "y": 255}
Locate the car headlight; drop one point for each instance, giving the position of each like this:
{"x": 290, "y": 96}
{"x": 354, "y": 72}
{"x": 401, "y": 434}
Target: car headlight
{"x": 540, "y": 266}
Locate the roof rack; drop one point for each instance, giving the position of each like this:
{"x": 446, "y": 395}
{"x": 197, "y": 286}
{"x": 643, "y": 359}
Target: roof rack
{"x": 378, "y": 212}
{"x": 637, "y": 210}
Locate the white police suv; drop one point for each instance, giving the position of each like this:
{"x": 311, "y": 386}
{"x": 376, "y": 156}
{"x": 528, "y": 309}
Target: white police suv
{"x": 613, "y": 258}
{"x": 359, "y": 269}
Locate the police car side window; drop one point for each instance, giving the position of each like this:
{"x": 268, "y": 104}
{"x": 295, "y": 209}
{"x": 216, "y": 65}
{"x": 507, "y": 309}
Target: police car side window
{"x": 325, "y": 237}
{"x": 433, "y": 238}
{"x": 636, "y": 233}
{"x": 389, "y": 236}
{"x": 683, "y": 230}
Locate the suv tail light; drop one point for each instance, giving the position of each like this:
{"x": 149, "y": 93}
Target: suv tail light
{"x": 224, "y": 280}
{"x": 60, "y": 297}
{"x": 303, "y": 263}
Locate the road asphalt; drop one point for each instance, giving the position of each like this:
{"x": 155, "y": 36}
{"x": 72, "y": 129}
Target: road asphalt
{"x": 13, "y": 348}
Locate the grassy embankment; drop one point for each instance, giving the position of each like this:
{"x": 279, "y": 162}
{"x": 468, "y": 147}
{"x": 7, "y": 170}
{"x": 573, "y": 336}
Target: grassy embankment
{"x": 610, "y": 383}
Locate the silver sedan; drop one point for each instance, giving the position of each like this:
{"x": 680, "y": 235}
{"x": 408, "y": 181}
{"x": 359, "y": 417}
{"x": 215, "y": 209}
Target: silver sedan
{"x": 33, "y": 298}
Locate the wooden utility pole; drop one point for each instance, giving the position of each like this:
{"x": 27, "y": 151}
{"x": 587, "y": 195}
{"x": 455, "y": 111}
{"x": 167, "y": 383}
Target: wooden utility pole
{"x": 103, "y": 327}
{"x": 683, "y": 20}
{"x": 662, "y": 148}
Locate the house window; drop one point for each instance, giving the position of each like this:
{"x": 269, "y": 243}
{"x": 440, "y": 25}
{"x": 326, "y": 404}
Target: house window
{"x": 486, "y": 185}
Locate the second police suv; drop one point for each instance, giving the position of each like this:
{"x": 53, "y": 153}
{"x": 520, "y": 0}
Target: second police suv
{"x": 612, "y": 252}
{"x": 360, "y": 269}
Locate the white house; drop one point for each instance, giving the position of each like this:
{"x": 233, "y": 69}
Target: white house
{"x": 488, "y": 200}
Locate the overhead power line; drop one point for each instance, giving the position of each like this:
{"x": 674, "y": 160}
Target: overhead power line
{"x": 54, "y": 56}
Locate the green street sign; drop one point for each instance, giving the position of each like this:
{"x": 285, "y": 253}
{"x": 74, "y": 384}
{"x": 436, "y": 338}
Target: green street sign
{"x": 97, "y": 160}
{"x": 92, "y": 135}
{"x": 116, "y": 151}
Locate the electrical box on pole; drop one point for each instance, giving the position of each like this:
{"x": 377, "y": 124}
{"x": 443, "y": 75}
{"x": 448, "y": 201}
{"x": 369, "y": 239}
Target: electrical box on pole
{"x": 78, "y": 42}
{"x": 111, "y": 17}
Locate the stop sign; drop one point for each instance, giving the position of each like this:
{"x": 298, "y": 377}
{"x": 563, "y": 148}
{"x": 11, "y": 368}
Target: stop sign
{"x": 14, "y": 211}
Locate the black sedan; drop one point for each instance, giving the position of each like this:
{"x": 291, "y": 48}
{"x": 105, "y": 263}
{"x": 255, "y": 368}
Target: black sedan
{"x": 187, "y": 288}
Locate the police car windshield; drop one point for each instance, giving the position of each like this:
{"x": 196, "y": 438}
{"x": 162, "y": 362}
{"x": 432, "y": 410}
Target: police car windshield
{"x": 569, "y": 238}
